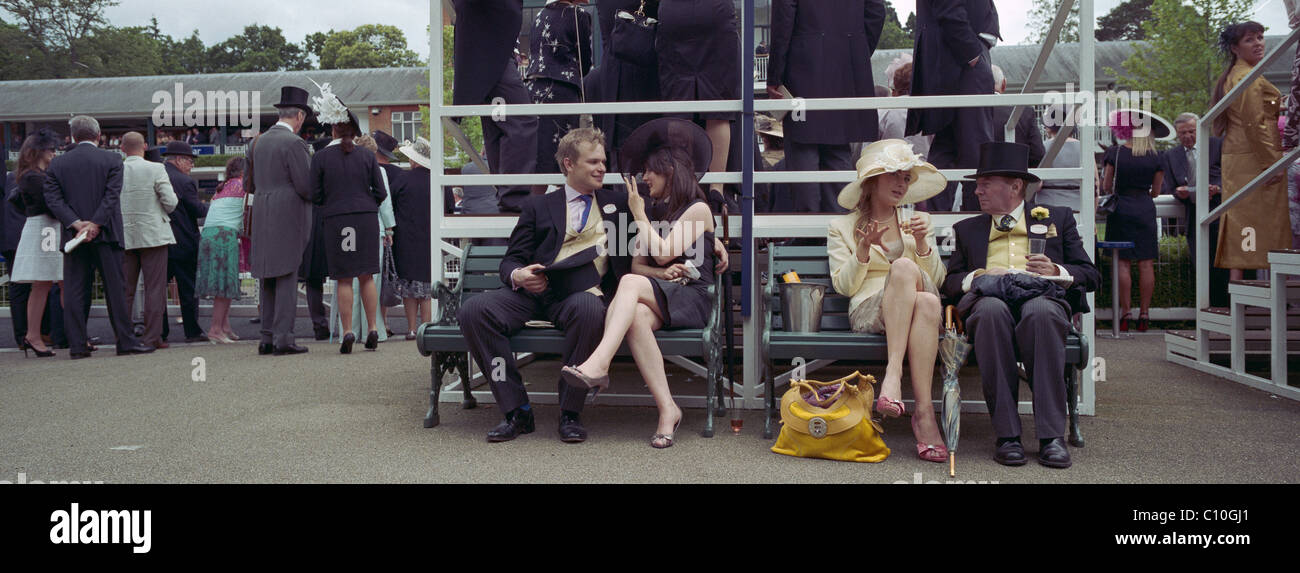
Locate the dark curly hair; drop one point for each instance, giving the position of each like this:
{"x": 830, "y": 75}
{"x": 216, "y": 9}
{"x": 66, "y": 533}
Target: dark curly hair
{"x": 1229, "y": 37}
{"x": 34, "y": 146}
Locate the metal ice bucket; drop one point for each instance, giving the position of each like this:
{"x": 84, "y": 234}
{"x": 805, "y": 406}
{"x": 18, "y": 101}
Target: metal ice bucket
{"x": 801, "y": 306}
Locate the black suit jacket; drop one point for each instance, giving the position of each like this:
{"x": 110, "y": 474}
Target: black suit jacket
{"x": 86, "y": 184}
{"x": 1065, "y": 249}
{"x": 540, "y": 232}
{"x": 1026, "y": 131}
{"x": 485, "y": 35}
{"x": 1173, "y": 162}
{"x": 185, "y": 219}
{"x": 346, "y": 182}
{"x": 947, "y": 38}
{"x": 823, "y": 49}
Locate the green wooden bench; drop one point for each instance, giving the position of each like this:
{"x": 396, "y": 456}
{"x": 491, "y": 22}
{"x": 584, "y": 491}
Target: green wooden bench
{"x": 837, "y": 342}
{"x": 443, "y": 341}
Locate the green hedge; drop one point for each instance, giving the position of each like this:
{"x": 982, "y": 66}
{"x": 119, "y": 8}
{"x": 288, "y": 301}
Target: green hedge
{"x": 1174, "y": 287}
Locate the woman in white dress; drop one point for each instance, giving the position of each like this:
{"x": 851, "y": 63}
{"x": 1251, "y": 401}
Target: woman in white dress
{"x": 38, "y": 260}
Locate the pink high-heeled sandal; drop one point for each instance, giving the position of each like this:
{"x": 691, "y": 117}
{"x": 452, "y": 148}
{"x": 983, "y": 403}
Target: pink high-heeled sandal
{"x": 890, "y": 407}
{"x": 929, "y": 452}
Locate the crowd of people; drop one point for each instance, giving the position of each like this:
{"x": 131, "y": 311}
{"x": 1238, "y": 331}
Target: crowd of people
{"x": 1018, "y": 271}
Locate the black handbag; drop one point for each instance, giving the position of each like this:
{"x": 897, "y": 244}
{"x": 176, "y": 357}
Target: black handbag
{"x": 1108, "y": 203}
{"x": 388, "y": 296}
{"x": 633, "y": 37}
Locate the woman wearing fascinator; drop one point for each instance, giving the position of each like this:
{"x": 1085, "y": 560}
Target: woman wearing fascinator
{"x": 673, "y": 267}
{"x": 888, "y": 263}
{"x": 348, "y": 188}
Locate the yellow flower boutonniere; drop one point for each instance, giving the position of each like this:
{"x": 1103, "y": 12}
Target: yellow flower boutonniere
{"x": 1040, "y": 213}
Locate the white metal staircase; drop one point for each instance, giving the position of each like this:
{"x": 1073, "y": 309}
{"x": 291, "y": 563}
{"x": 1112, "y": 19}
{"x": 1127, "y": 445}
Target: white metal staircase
{"x": 1257, "y": 323}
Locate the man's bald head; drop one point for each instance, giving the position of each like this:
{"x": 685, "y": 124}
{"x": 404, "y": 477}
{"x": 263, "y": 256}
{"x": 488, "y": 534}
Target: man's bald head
{"x": 133, "y": 144}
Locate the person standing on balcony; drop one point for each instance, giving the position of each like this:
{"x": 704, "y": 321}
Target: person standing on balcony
{"x": 819, "y": 50}
{"x": 486, "y": 73}
{"x": 621, "y": 78}
{"x": 952, "y": 58}
{"x": 1261, "y": 222}
{"x": 561, "y": 56}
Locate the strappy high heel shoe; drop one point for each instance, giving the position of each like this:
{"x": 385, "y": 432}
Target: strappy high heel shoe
{"x": 937, "y": 453}
{"x": 574, "y": 377}
{"x": 889, "y": 407}
{"x": 26, "y": 345}
{"x": 668, "y": 439}
{"x": 1144, "y": 322}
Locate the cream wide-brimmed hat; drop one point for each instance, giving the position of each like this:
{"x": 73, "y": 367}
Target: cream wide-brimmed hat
{"x": 417, "y": 152}
{"x": 888, "y": 156}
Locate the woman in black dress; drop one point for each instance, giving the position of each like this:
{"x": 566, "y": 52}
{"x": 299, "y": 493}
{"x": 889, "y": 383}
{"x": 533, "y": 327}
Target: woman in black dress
{"x": 561, "y": 57}
{"x": 347, "y": 188}
{"x": 699, "y": 59}
{"x": 1133, "y": 173}
{"x": 672, "y": 270}
{"x": 618, "y": 79}
{"x": 411, "y": 251}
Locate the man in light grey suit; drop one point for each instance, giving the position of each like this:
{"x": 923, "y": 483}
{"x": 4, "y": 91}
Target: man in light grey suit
{"x": 147, "y": 197}
{"x": 277, "y": 176}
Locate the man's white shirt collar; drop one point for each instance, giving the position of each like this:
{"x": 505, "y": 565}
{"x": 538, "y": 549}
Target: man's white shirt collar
{"x": 286, "y": 126}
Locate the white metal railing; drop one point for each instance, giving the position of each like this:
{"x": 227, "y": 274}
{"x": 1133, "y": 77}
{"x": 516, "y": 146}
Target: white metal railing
{"x": 754, "y": 225}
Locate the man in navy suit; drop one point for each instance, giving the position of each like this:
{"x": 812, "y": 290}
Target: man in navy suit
{"x": 183, "y": 256}
{"x": 994, "y": 244}
{"x": 82, "y": 188}
{"x": 1179, "y": 165}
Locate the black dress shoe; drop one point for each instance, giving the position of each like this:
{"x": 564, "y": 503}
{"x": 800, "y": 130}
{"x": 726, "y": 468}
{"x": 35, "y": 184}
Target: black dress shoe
{"x": 322, "y": 333}
{"x": 265, "y": 348}
{"x": 571, "y": 430}
{"x": 78, "y": 355}
{"x": 372, "y": 340}
{"x": 199, "y": 338}
{"x": 290, "y": 349}
{"x": 137, "y": 349}
{"x": 516, "y": 422}
{"x": 1010, "y": 454}
{"x": 1054, "y": 454}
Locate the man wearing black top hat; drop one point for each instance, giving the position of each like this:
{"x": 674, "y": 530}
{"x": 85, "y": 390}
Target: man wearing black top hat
{"x": 995, "y": 244}
{"x": 183, "y": 255}
{"x": 486, "y": 34}
{"x": 276, "y": 174}
{"x": 386, "y": 144}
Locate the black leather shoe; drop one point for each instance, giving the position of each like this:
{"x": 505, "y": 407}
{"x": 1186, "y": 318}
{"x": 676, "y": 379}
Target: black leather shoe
{"x": 1054, "y": 454}
{"x": 78, "y": 355}
{"x": 1010, "y": 454}
{"x": 199, "y": 338}
{"x": 290, "y": 349}
{"x": 322, "y": 333}
{"x": 265, "y": 348}
{"x": 345, "y": 347}
{"x": 137, "y": 349}
{"x": 372, "y": 340}
{"x": 516, "y": 423}
{"x": 571, "y": 430}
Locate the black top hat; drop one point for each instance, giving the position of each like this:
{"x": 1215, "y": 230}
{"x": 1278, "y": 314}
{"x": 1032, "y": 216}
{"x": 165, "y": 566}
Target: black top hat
{"x": 177, "y": 147}
{"x": 667, "y": 132}
{"x": 291, "y": 96}
{"x": 1007, "y": 159}
{"x": 386, "y": 143}
{"x": 154, "y": 154}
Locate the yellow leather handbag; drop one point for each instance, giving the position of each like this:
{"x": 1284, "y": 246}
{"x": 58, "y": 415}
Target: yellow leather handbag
{"x": 830, "y": 420}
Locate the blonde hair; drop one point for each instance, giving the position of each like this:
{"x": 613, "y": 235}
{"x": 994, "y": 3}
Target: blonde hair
{"x": 568, "y": 146}
{"x": 1143, "y": 144}
{"x": 367, "y": 142}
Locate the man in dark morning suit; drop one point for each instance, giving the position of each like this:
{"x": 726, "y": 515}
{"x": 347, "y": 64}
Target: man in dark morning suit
{"x": 1178, "y": 163}
{"x": 823, "y": 49}
{"x": 82, "y": 188}
{"x": 183, "y": 255}
{"x": 276, "y": 174}
{"x": 555, "y": 231}
{"x": 992, "y": 244}
{"x": 951, "y": 57}
{"x": 486, "y": 32}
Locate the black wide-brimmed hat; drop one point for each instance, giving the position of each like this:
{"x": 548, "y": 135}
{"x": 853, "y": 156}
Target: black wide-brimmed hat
{"x": 177, "y": 147}
{"x": 45, "y": 139}
{"x": 291, "y": 96}
{"x": 386, "y": 144}
{"x": 1007, "y": 159}
{"x": 667, "y": 132}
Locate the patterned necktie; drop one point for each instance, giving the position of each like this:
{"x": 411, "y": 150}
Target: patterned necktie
{"x": 1191, "y": 167}
{"x": 1006, "y": 223}
{"x": 586, "y": 210}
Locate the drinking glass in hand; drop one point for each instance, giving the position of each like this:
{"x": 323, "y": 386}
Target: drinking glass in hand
{"x": 1037, "y": 246}
{"x": 905, "y": 214}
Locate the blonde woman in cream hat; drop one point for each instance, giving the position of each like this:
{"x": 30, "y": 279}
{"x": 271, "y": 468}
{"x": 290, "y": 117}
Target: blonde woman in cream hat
{"x": 889, "y": 267}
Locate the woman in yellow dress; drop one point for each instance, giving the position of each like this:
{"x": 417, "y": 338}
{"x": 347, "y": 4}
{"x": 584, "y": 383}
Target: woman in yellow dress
{"x": 890, "y": 267}
{"x": 1251, "y": 144}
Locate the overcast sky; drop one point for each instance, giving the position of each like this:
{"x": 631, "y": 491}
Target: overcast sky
{"x": 222, "y": 19}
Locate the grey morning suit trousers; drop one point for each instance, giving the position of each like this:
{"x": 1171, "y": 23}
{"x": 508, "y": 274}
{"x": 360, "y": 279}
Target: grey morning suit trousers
{"x": 279, "y": 297}
{"x": 1038, "y": 339}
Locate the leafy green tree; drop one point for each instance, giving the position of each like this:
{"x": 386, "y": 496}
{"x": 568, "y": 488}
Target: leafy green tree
{"x": 56, "y": 28}
{"x": 892, "y": 35}
{"x": 910, "y": 26}
{"x": 19, "y": 60}
{"x": 1041, "y": 16}
{"x": 1180, "y": 62}
{"x": 258, "y": 49}
{"x": 1124, "y": 21}
{"x": 367, "y": 46}
{"x": 116, "y": 52}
